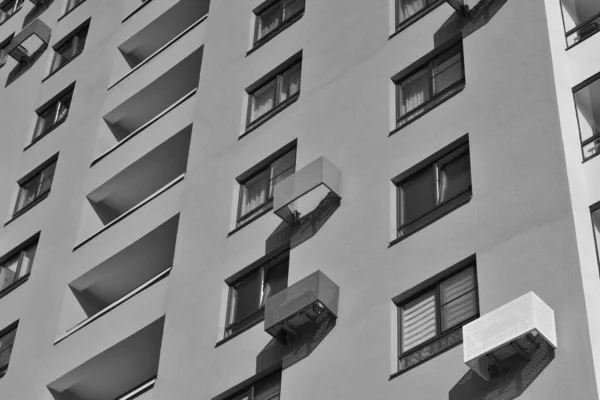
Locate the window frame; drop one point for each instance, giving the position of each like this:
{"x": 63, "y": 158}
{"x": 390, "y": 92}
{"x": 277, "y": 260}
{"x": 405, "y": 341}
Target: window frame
{"x": 435, "y": 162}
{"x": 72, "y": 4}
{"x": 73, "y": 39}
{"x": 274, "y": 76}
{"x": 65, "y": 96}
{"x": 16, "y": 7}
{"x": 27, "y": 179}
{"x": 246, "y": 389}
{"x": 594, "y": 138}
{"x": 401, "y": 25}
{"x": 4, "y": 332}
{"x": 283, "y": 24}
{"x": 433, "y": 286}
{"x": 427, "y": 63}
{"x": 19, "y": 252}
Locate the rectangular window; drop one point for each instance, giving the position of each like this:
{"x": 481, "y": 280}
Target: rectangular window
{"x": 69, "y": 48}
{"x": 284, "y": 86}
{"x": 407, "y": 9}
{"x": 587, "y": 103}
{"x": 429, "y": 85}
{"x": 272, "y": 19}
{"x": 439, "y": 186}
{"x": 17, "y": 267}
{"x": 72, "y": 4}
{"x": 268, "y": 388}
{"x": 35, "y": 188}
{"x": 7, "y": 338}
{"x": 256, "y": 191}
{"x": 9, "y": 8}
{"x": 431, "y": 321}
{"x": 53, "y": 114}
{"x": 247, "y": 294}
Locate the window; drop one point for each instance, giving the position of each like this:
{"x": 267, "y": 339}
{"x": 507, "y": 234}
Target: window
{"x": 70, "y": 48}
{"x": 9, "y": 8}
{"x": 276, "y": 16}
{"x": 7, "y": 338}
{"x": 35, "y": 188}
{"x": 587, "y": 103}
{"x": 274, "y": 93}
{"x": 430, "y": 85}
{"x": 256, "y": 191}
{"x": 53, "y": 115}
{"x": 16, "y": 268}
{"x": 72, "y": 4}
{"x": 430, "y": 322}
{"x": 407, "y": 9}
{"x": 581, "y": 19}
{"x": 439, "y": 185}
{"x": 248, "y": 293}
{"x": 267, "y": 388}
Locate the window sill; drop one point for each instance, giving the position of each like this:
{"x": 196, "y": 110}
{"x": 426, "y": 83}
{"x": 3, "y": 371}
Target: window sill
{"x": 414, "y": 18}
{"x": 271, "y": 35}
{"x": 61, "y": 67}
{"x": 263, "y": 119}
{"x": 244, "y": 329}
{"x": 27, "y": 207}
{"x": 257, "y": 216}
{"x": 14, "y": 286}
{"x": 430, "y": 105}
{"x": 69, "y": 11}
{"x": 442, "y": 211}
{"x": 41, "y": 136}
{"x": 136, "y": 10}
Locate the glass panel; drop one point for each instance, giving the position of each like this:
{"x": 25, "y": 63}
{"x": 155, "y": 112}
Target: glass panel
{"x": 263, "y": 100}
{"x": 63, "y": 110}
{"x": 292, "y": 7}
{"x": 414, "y": 91}
{"x": 8, "y": 272}
{"x": 290, "y": 83}
{"x": 27, "y": 262}
{"x": 28, "y": 192}
{"x": 275, "y": 280}
{"x": 459, "y": 310}
{"x": 62, "y": 55}
{"x": 47, "y": 176}
{"x": 457, "y": 285}
{"x": 447, "y": 72}
{"x": 577, "y": 12}
{"x": 408, "y": 8}
{"x": 73, "y": 3}
{"x": 417, "y": 196}
{"x": 587, "y": 102}
{"x": 268, "y": 388}
{"x": 46, "y": 119}
{"x": 80, "y": 42}
{"x": 455, "y": 178}
{"x": 6, "y": 344}
{"x": 269, "y": 20}
{"x": 247, "y": 297}
{"x": 281, "y": 169}
{"x": 418, "y": 322}
{"x": 254, "y": 192}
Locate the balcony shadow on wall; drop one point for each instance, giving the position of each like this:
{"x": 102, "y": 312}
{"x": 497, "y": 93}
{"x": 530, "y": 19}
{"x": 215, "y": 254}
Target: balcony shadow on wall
{"x": 24, "y": 66}
{"x": 36, "y": 12}
{"x": 509, "y": 385}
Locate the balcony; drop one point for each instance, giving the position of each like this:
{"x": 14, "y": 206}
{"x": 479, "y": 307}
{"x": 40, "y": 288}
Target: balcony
{"x": 125, "y": 371}
{"x": 304, "y": 303}
{"x": 582, "y": 19}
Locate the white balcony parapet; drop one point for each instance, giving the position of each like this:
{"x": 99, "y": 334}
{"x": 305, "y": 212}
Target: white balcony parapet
{"x": 523, "y": 319}
{"x": 302, "y": 191}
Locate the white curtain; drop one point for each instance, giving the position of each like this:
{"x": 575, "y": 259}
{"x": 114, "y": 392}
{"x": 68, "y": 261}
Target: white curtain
{"x": 407, "y": 8}
{"x": 254, "y": 193}
{"x": 263, "y": 101}
{"x": 414, "y": 92}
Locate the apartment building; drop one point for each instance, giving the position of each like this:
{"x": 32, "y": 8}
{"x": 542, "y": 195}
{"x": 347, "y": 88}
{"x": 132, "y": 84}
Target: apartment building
{"x": 299, "y": 199}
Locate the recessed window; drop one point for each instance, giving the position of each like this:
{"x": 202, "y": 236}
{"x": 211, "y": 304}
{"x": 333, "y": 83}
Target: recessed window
{"x": 7, "y": 339}
{"x": 410, "y": 9}
{"x": 271, "y": 95}
{"x": 256, "y": 191}
{"x": 35, "y": 188}
{"x": 429, "y": 85}
{"x": 16, "y": 267}
{"x": 71, "y": 4}
{"x": 53, "y": 114}
{"x": 9, "y": 8}
{"x": 247, "y": 294}
{"x": 581, "y": 18}
{"x": 267, "y": 388}
{"x": 69, "y": 48}
{"x": 439, "y": 185}
{"x": 275, "y": 17}
{"x": 587, "y": 102}
{"x": 431, "y": 321}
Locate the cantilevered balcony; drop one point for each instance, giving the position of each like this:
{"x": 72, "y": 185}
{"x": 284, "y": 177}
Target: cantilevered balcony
{"x": 132, "y": 189}
{"x": 125, "y": 371}
{"x": 582, "y": 19}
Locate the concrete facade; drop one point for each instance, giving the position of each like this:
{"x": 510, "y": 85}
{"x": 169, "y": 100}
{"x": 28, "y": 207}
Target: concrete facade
{"x": 146, "y": 181}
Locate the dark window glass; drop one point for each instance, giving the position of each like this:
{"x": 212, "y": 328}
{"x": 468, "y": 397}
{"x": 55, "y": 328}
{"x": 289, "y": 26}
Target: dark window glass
{"x": 268, "y": 388}
{"x": 256, "y": 192}
{"x": 408, "y": 8}
{"x": 9, "y": 8}
{"x": 17, "y": 267}
{"x": 271, "y": 18}
{"x": 6, "y": 344}
{"x": 437, "y": 188}
{"x": 72, "y": 4}
{"x": 52, "y": 115}
{"x": 587, "y": 102}
{"x": 581, "y": 18}
{"x": 69, "y": 49}
{"x": 430, "y": 323}
{"x": 35, "y": 187}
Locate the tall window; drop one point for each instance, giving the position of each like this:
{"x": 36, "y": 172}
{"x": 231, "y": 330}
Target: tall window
{"x": 431, "y": 322}
{"x": 9, "y": 8}
{"x": 247, "y": 294}
{"x": 267, "y": 388}
{"x": 441, "y": 185}
{"x": 7, "y": 338}
{"x": 430, "y": 85}
{"x": 587, "y": 102}
{"x": 35, "y": 188}
{"x": 53, "y": 114}
{"x": 276, "y": 16}
{"x": 409, "y": 8}
{"x": 70, "y": 48}
{"x": 72, "y": 4}
{"x": 16, "y": 268}
{"x": 256, "y": 191}
{"x": 280, "y": 89}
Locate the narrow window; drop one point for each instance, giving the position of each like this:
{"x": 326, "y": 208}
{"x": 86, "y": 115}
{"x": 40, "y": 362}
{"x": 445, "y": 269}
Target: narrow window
{"x": 587, "y": 103}
{"x": 72, "y": 4}
{"x": 69, "y": 48}
{"x": 272, "y": 19}
{"x": 439, "y": 186}
{"x": 7, "y": 338}
{"x": 429, "y": 85}
{"x": 9, "y": 8}
{"x": 431, "y": 322}
{"x": 272, "y": 94}
{"x": 17, "y": 267}
{"x": 53, "y": 114}
{"x": 35, "y": 188}
{"x": 256, "y": 191}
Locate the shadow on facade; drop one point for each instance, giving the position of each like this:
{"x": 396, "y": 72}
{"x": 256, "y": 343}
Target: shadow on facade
{"x": 25, "y": 65}
{"x": 510, "y": 384}
{"x": 36, "y": 12}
